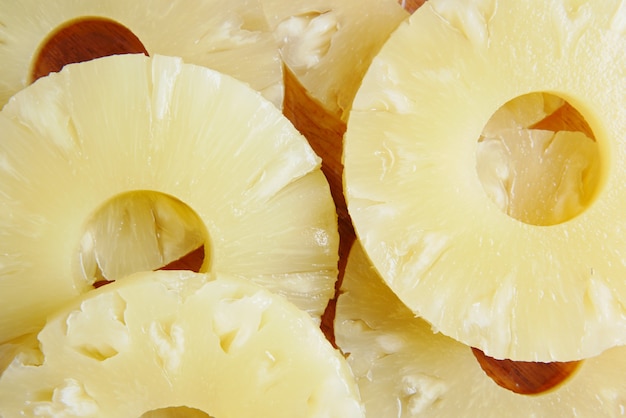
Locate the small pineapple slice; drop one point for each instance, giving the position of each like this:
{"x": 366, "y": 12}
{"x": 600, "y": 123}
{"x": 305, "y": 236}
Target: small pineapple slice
{"x": 232, "y": 37}
{"x": 329, "y": 44}
{"x": 404, "y": 369}
{"x": 156, "y": 340}
{"x": 514, "y": 289}
{"x": 76, "y": 140}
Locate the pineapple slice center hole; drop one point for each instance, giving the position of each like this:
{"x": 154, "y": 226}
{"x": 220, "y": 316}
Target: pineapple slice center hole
{"x": 83, "y": 39}
{"x": 176, "y": 412}
{"x": 526, "y": 378}
{"x": 141, "y": 231}
{"x": 538, "y": 160}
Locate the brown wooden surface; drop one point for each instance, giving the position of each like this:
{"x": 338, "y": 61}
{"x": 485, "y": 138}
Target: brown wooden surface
{"x": 83, "y": 40}
{"x": 525, "y": 377}
{"x": 325, "y": 134}
{"x": 411, "y": 5}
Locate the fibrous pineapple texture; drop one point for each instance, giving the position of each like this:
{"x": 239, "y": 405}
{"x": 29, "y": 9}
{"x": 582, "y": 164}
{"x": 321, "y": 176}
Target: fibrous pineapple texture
{"x": 129, "y": 127}
{"x": 217, "y": 344}
{"x": 329, "y": 44}
{"x": 544, "y": 286}
{"x": 406, "y": 370}
{"x": 232, "y": 37}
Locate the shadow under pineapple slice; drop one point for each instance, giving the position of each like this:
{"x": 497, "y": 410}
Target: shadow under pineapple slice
{"x": 180, "y": 341}
{"x": 77, "y": 142}
{"x": 540, "y": 280}
{"x": 404, "y": 369}
{"x": 232, "y": 37}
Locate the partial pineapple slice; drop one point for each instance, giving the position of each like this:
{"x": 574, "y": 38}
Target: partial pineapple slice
{"x": 517, "y": 289}
{"x": 405, "y": 370}
{"x": 329, "y": 44}
{"x": 217, "y": 344}
{"x": 74, "y": 142}
{"x": 232, "y": 37}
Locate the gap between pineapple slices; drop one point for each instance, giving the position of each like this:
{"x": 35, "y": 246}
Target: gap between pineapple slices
{"x": 329, "y": 44}
{"x": 404, "y": 369}
{"x": 214, "y": 343}
{"x": 512, "y": 289}
{"x": 324, "y": 131}
{"x": 76, "y": 140}
{"x": 232, "y": 37}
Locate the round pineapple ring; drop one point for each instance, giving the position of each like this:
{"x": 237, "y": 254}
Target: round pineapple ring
{"x": 127, "y": 162}
{"x": 540, "y": 289}
{"x": 232, "y": 37}
{"x": 404, "y": 369}
{"x": 180, "y": 341}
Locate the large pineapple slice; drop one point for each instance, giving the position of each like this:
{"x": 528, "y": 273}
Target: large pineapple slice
{"x": 76, "y": 143}
{"x": 159, "y": 340}
{"x": 329, "y": 44}
{"x": 232, "y": 37}
{"x": 404, "y": 369}
{"x": 544, "y": 288}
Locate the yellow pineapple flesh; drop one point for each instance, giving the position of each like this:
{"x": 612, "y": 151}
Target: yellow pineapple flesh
{"x": 405, "y": 369}
{"x": 543, "y": 282}
{"x": 215, "y": 344}
{"x": 77, "y": 140}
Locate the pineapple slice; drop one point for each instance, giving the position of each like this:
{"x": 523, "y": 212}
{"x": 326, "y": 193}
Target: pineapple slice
{"x": 515, "y": 289}
{"x": 76, "y": 141}
{"x": 232, "y": 37}
{"x": 329, "y": 44}
{"x": 157, "y": 340}
{"x": 404, "y": 369}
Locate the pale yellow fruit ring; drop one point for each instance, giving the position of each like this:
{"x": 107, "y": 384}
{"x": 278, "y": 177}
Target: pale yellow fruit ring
{"x": 98, "y": 129}
{"x": 403, "y": 368}
{"x": 231, "y": 37}
{"x": 217, "y": 344}
{"x": 512, "y": 289}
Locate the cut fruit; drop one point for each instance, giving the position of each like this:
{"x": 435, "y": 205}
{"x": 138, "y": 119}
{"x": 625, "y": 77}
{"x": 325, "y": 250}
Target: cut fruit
{"x": 550, "y": 289}
{"x": 232, "y": 37}
{"x": 217, "y": 344}
{"x": 404, "y": 369}
{"x": 75, "y": 141}
{"x": 329, "y": 44}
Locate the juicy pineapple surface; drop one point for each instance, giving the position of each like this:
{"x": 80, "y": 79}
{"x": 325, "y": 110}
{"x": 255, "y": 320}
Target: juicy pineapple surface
{"x": 404, "y": 369}
{"x": 72, "y": 141}
{"x": 513, "y": 289}
{"x": 216, "y": 343}
{"x": 329, "y": 44}
{"x": 232, "y": 37}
